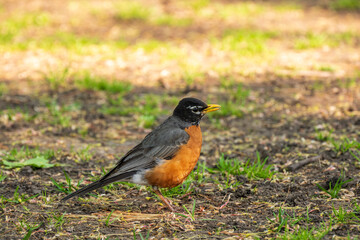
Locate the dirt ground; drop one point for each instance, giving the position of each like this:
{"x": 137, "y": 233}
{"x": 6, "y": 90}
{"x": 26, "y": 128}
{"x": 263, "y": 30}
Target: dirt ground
{"x": 289, "y": 116}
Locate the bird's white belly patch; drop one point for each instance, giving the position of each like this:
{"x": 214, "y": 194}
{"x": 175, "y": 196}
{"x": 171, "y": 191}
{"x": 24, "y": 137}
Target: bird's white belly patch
{"x": 138, "y": 178}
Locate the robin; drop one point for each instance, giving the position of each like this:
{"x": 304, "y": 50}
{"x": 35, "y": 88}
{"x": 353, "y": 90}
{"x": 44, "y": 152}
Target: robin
{"x": 166, "y": 156}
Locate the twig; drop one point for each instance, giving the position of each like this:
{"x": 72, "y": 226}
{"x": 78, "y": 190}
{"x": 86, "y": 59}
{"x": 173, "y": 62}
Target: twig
{"x": 302, "y": 163}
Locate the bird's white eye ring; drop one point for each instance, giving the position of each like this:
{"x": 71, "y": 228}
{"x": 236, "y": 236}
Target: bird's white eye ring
{"x": 195, "y": 109}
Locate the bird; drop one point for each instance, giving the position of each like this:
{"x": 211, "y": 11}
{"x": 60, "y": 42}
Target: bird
{"x": 166, "y": 156}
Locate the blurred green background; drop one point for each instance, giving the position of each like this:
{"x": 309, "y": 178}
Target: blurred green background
{"x": 170, "y": 43}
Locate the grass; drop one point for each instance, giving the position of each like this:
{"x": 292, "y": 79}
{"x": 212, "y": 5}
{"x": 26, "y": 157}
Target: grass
{"x": 17, "y": 197}
{"x": 16, "y": 114}
{"x": 58, "y": 41}
{"x": 245, "y": 42}
{"x": 14, "y": 26}
{"x": 323, "y": 136}
{"x": 146, "y": 121}
{"x": 351, "y": 5}
{"x": 74, "y": 43}
{"x": 345, "y": 145}
{"x": 146, "y": 108}
{"x": 318, "y": 40}
{"x": 136, "y": 11}
{"x": 317, "y": 86}
{"x": 26, "y": 152}
{"x": 333, "y": 190}
{"x": 25, "y": 156}
{"x": 312, "y": 40}
{"x": 57, "y": 79}
{"x": 344, "y": 215}
{"x": 238, "y": 9}
{"x": 293, "y": 228}
{"x": 169, "y": 20}
{"x": 283, "y": 221}
{"x": 229, "y": 166}
{"x": 254, "y": 170}
{"x": 57, "y": 220}
{"x": 3, "y": 176}
{"x": 152, "y": 45}
{"x": 348, "y": 83}
{"x": 90, "y": 82}
{"x": 236, "y": 100}
{"x": 191, "y": 74}
{"x": 306, "y": 233}
{"x": 107, "y": 220}
{"x": 83, "y": 154}
{"x": 60, "y": 115}
{"x": 326, "y": 68}
{"x": 257, "y": 169}
{"x": 132, "y": 10}
{"x": 227, "y": 183}
{"x": 66, "y": 187}
{"x": 191, "y": 214}
{"x": 147, "y": 236}
{"x": 30, "y": 229}
{"x": 198, "y": 5}
{"x": 356, "y": 154}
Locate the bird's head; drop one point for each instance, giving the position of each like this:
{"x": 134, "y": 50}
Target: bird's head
{"x": 192, "y": 109}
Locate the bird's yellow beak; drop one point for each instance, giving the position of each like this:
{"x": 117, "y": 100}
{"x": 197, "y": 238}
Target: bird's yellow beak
{"x": 211, "y": 108}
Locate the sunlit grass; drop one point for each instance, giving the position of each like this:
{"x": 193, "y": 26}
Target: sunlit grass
{"x": 132, "y": 10}
{"x": 251, "y": 169}
{"x": 59, "y": 41}
{"x": 197, "y": 5}
{"x": 191, "y": 71}
{"x": 12, "y": 28}
{"x": 58, "y": 78}
{"x": 317, "y": 40}
{"x": 286, "y": 6}
{"x": 169, "y": 20}
{"x": 237, "y": 9}
{"x": 312, "y": 40}
{"x": 91, "y": 82}
{"x": 345, "y": 4}
{"x": 325, "y": 68}
{"x": 245, "y": 42}
{"x": 140, "y": 11}
{"x": 66, "y": 40}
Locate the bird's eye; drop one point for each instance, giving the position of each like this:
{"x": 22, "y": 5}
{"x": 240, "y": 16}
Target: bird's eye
{"x": 195, "y": 109}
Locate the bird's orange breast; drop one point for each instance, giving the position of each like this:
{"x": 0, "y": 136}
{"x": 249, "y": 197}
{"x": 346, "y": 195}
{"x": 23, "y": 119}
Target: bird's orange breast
{"x": 174, "y": 171}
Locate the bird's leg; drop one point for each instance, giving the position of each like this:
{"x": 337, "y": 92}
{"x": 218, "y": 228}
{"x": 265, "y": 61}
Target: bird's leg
{"x": 164, "y": 199}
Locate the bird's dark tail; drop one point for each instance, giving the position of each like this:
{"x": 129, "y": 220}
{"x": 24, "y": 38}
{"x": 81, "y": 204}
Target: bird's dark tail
{"x": 100, "y": 183}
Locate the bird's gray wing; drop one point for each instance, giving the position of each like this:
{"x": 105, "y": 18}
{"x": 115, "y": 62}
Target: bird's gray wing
{"x": 161, "y": 144}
